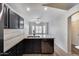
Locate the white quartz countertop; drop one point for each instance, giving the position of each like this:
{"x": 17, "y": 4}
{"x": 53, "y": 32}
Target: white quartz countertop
{"x": 39, "y": 38}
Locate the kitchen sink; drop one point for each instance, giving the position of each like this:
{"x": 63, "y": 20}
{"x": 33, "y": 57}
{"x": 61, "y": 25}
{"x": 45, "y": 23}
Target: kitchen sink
{"x": 33, "y": 36}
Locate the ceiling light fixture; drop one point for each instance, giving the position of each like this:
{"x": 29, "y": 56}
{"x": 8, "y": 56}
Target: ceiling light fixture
{"x": 38, "y": 20}
{"x": 28, "y": 9}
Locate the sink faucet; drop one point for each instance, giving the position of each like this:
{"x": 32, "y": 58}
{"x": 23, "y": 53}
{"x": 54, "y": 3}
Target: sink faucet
{"x": 33, "y": 32}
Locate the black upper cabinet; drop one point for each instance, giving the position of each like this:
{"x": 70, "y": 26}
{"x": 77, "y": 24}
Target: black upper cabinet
{"x": 12, "y": 20}
{"x": 5, "y": 17}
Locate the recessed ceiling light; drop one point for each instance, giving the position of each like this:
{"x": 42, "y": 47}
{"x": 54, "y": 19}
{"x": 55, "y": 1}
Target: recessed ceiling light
{"x": 45, "y": 8}
{"x": 28, "y": 9}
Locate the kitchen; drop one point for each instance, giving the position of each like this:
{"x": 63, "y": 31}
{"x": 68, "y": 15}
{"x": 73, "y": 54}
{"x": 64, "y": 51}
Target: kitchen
{"x": 38, "y": 40}
{"x": 36, "y": 28}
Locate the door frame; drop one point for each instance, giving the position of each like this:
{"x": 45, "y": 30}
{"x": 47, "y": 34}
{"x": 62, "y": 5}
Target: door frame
{"x": 69, "y": 33}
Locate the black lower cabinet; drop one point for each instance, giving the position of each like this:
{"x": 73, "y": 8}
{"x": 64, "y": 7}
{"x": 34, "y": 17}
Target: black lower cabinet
{"x": 47, "y": 46}
{"x": 1, "y": 46}
{"x": 11, "y": 52}
{"x": 39, "y": 46}
{"x": 20, "y": 48}
{"x": 32, "y": 46}
{"x": 28, "y": 46}
{"x": 36, "y": 46}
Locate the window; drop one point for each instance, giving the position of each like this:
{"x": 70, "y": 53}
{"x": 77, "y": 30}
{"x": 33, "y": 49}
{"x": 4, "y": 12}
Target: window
{"x": 40, "y": 29}
{"x": 21, "y": 23}
{"x": 33, "y": 28}
{"x": 44, "y": 29}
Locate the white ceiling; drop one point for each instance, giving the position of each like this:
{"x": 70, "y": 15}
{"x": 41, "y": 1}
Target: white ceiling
{"x": 37, "y": 10}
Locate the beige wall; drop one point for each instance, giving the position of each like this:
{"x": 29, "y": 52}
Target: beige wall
{"x": 69, "y": 13}
{"x": 75, "y": 29}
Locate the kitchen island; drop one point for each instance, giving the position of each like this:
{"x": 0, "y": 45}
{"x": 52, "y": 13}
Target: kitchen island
{"x": 39, "y": 45}
{"x": 32, "y": 46}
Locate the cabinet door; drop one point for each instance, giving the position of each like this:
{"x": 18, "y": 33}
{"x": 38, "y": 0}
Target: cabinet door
{"x": 36, "y": 46}
{"x": 47, "y": 46}
{"x": 28, "y": 46}
{"x": 12, "y": 51}
{"x": 17, "y": 50}
{"x": 20, "y": 48}
{"x": 32, "y": 46}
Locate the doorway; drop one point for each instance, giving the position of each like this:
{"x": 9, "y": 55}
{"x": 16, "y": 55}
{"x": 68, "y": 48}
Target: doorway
{"x": 73, "y": 33}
